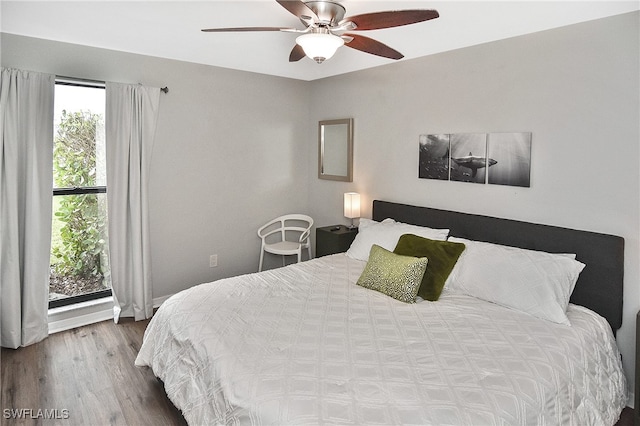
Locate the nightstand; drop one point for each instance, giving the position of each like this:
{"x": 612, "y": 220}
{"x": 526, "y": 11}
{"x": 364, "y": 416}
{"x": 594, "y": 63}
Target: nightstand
{"x": 334, "y": 239}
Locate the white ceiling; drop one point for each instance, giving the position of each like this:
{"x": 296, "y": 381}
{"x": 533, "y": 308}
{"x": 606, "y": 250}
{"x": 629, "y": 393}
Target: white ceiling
{"x": 171, "y": 29}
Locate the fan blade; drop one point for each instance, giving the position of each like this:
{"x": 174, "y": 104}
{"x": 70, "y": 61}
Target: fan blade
{"x": 243, "y": 29}
{"x": 296, "y": 54}
{"x": 369, "y": 45}
{"x": 379, "y": 20}
{"x": 299, "y": 9}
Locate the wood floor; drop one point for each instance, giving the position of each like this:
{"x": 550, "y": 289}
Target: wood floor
{"x": 90, "y": 373}
{"x": 86, "y": 376}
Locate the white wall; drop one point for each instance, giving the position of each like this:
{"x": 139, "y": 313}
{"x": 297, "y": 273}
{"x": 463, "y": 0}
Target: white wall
{"x": 230, "y": 154}
{"x": 575, "y": 88}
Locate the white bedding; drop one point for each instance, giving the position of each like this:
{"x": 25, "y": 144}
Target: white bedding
{"x": 305, "y": 345}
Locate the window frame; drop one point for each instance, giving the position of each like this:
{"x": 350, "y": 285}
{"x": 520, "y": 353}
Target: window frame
{"x": 69, "y": 81}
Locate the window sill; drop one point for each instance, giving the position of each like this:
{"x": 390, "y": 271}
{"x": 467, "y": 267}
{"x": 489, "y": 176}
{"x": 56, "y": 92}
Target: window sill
{"x": 80, "y": 314}
{"x": 85, "y": 313}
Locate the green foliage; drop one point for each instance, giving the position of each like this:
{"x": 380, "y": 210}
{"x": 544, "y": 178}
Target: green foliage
{"x": 84, "y": 224}
{"x": 74, "y": 151}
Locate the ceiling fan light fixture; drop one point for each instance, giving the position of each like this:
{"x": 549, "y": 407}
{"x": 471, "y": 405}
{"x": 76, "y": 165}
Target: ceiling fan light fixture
{"x": 319, "y": 46}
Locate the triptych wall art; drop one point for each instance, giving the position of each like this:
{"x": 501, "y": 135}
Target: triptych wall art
{"x": 495, "y": 158}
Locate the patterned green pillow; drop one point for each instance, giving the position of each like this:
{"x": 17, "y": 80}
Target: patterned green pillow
{"x": 392, "y": 274}
{"x": 442, "y": 256}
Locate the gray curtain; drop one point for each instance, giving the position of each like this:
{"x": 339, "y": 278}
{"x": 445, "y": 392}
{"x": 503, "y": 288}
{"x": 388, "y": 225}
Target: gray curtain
{"x": 131, "y": 117}
{"x": 26, "y": 183}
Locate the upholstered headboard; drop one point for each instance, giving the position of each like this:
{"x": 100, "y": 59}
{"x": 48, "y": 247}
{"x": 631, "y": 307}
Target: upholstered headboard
{"x": 600, "y": 285}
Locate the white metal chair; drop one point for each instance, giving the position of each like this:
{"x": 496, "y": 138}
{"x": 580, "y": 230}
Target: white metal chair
{"x": 289, "y": 225}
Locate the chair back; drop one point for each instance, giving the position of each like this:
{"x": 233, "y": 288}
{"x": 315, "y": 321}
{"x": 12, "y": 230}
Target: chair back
{"x": 297, "y": 223}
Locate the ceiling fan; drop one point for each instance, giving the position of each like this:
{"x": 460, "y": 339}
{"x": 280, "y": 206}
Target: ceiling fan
{"x": 327, "y": 29}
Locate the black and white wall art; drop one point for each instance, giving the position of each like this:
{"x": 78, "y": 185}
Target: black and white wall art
{"x": 434, "y": 157}
{"x": 468, "y": 157}
{"x": 513, "y": 152}
{"x": 495, "y": 158}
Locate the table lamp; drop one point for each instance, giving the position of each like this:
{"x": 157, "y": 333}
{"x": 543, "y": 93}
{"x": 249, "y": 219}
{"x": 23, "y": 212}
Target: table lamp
{"x": 351, "y": 206}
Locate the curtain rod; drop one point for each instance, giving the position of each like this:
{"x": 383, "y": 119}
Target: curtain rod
{"x": 71, "y": 80}
{"x": 74, "y": 81}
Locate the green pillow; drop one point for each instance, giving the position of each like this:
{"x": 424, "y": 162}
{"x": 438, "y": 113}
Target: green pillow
{"x": 394, "y": 275}
{"x": 442, "y": 256}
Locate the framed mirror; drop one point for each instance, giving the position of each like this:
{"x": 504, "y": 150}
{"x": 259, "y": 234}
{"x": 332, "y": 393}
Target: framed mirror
{"x": 335, "y": 150}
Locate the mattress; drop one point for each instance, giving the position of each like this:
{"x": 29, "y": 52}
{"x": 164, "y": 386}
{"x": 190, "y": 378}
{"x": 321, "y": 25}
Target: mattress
{"x": 304, "y": 344}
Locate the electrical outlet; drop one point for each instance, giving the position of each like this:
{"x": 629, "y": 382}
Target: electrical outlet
{"x": 213, "y": 260}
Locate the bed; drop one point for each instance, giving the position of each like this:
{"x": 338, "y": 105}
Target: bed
{"x": 310, "y": 344}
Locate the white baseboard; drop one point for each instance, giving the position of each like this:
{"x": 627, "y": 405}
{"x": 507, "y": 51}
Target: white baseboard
{"x": 85, "y": 313}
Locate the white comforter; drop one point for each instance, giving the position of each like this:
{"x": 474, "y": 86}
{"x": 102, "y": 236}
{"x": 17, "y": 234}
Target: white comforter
{"x": 305, "y": 345}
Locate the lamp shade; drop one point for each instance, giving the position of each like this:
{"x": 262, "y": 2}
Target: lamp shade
{"x": 351, "y": 205}
{"x": 319, "y": 46}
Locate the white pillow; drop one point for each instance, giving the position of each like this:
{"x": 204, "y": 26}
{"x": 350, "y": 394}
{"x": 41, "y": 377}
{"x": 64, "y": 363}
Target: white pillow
{"x": 386, "y": 234}
{"x": 535, "y": 282}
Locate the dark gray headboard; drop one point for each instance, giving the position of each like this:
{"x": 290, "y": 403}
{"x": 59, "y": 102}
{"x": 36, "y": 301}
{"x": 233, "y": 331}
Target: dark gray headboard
{"x": 600, "y": 285}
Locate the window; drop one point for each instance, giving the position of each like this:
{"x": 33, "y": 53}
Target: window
{"x": 79, "y": 243}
